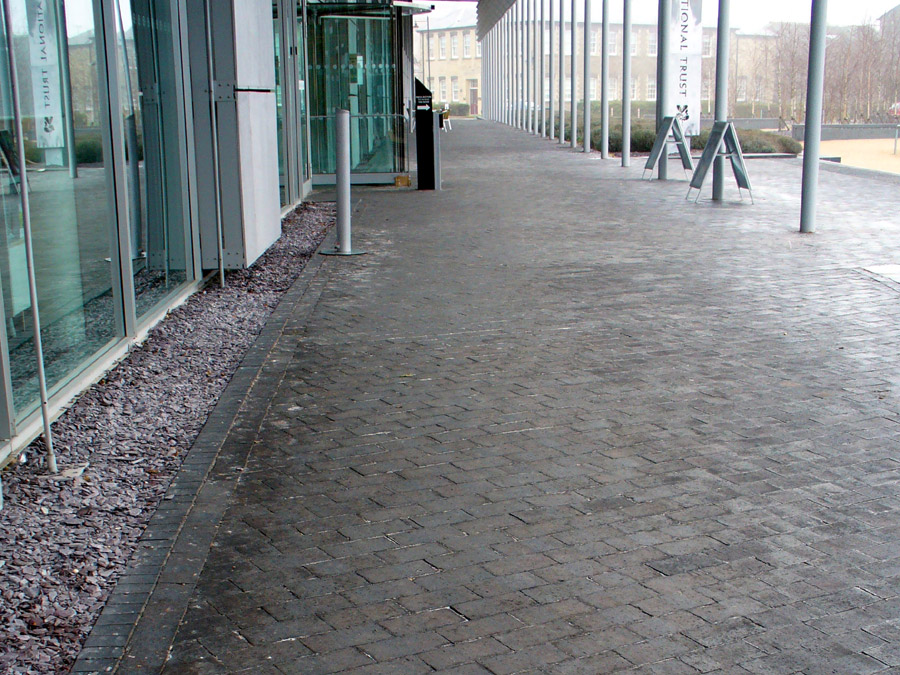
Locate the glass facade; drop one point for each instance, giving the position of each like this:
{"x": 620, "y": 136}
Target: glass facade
{"x": 289, "y": 31}
{"x": 106, "y": 195}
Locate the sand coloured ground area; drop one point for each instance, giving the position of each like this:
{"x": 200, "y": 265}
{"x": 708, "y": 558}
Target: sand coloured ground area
{"x": 869, "y": 153}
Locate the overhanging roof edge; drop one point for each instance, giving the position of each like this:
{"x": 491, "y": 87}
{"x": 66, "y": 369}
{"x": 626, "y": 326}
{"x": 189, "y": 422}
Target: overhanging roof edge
{"x": 489, "y": 13}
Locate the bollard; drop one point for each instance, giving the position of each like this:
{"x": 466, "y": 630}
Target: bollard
{"x": 344, "y": 244}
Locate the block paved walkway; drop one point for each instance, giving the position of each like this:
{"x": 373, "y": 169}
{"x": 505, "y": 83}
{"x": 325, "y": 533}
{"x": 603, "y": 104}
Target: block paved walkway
{"x": 562, "y": 420}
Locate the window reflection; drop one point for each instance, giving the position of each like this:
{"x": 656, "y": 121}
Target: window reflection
{"x": 148, "y": 78}
{"x": 68, "y": 197}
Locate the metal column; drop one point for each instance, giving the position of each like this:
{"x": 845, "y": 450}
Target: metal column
{"x": 723, "y": 33}
{"x": 604, "y": 83}
{"x": 541, "y": 97}
{"x": 550, "y": 92}
{"x": 626, "y": 83}
{"x": 812, "y": 134}
{"x": 562, "y": 71}
{"x": 528, "y": 65}
{"x": 587, "y": 76}
{"x": 517, "y": 117}
{"x": 573, "y": 104}
{"x": 662, "y": 85}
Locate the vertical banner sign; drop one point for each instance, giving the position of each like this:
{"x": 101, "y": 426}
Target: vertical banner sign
{"x": 44, "y": 51}
{"x": 685, "y": 45}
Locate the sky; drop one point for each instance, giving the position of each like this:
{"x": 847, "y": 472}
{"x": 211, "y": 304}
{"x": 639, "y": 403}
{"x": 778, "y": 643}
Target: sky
{"x": 746, "y": 15}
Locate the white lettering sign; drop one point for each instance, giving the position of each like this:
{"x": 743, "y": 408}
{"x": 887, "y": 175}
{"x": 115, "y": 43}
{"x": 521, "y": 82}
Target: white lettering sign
{"x": 685, "y": 48}
{"x": 45, "y": 85}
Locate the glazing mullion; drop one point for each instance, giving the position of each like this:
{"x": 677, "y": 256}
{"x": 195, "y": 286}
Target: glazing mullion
{"x": 113, "y": 149}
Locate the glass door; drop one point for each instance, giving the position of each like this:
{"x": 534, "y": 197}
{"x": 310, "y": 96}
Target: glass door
{"x": 355, "y": 70}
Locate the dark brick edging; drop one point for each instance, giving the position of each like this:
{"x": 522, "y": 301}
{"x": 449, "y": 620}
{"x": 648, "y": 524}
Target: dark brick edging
{"x": 138, "y": 624}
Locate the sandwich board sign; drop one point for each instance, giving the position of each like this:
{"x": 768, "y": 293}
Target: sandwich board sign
{"x": 671, "y": 126}
{"x": 723, "y": 140}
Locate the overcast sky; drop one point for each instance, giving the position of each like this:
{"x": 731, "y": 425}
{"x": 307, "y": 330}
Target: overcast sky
{"x": 746, "y": 15}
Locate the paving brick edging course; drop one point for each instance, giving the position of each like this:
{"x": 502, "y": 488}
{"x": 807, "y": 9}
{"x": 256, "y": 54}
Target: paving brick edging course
{"x": 141, "y": 617}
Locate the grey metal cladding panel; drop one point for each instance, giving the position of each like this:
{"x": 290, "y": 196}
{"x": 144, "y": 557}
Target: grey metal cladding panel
{"x": 489, "y": 13}
{"x": 232, "y": 225}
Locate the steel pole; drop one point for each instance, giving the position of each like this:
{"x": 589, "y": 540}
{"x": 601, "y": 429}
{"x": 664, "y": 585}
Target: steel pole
{"x": 509, "y": 69}
{"x": 522, "y": 64}
{"x": 529, "y": 66}
{"x": 626, "y": 83}
{"x": 723, "y": 47}
{"x": 812, "y": 134}
{"x": 543, "y": 121}
{"x": 586, "y": 117}
{"x": 573, "y": 104}
{"x": 604, "y": 83}
{"x": 550, "y": 87}
{"x": 562, "y": 71}
{"x": 342, "y": 179}
{"x": 662, "y": 81}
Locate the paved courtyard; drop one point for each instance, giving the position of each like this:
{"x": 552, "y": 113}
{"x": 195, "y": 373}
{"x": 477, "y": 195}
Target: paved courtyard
{"x": 562, "y": 420}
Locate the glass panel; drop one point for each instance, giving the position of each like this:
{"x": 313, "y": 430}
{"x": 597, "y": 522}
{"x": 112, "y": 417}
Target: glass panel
{"x": 302, "y": 121}
{"x": 149, "y": 77}
{"x": 68, "y": 197}
{"x": 279, "y": 106}
{"x": 352, "y": 67}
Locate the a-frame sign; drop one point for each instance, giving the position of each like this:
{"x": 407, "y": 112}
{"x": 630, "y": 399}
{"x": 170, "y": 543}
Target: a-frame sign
{"x": 671, "y": 126}
{"x": 723, "y": 140}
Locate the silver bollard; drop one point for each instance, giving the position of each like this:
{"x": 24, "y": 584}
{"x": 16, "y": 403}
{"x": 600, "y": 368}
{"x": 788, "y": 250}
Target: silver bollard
{"x": 344, "y": 244}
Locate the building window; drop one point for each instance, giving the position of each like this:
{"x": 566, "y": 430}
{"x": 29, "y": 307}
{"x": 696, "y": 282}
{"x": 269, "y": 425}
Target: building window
{"x": 634, "y": 43}
{"x": 651, "y": 89}
{"x": 614, "y": 88}
{"x": 651, "y": 46}
{"x": 707, "y": 45}
{"x": 568, "y": 89}
{"x": 467, "y": 46}
{"x": 613, "y": 43}
{"x": 454, "y": 88}
{"x": 633, "y": 88}
{"x": 442, "y": 46}
{"x": 742, "y": 88}
{"x": 430, "y": 47}
{"x": 454, "y": 40}
{"x": 431, "y": 84}
{"x": 443, "y": 82}
{"x": 593, "y": 88}
{"x": 594, "y": 47}
{"x": 477, "y": 49}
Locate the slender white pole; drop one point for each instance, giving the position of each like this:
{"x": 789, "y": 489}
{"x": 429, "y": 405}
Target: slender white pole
{"x": 586, "y": 117}
{"x": 812, "y": 133}
{"x": 662, "y": 80}
{"x": 723, "y": 33}
{"x": 626, "y": 83}
{"x": 573, "y": 104}
{"x": 562, "y": 72}
{"x": 29, "y": 249}
{"x": 541, "y": 96}
{"x": 552, "y": 129}
{"x": 604, "y": 83}
{"x": 342, "y": 178}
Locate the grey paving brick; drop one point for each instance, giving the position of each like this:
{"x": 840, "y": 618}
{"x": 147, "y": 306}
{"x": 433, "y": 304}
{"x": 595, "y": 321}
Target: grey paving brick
{"x": 561, "y": 420}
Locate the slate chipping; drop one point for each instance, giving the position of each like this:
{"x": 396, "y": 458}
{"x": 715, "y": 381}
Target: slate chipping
{"x": 561, "y": 420}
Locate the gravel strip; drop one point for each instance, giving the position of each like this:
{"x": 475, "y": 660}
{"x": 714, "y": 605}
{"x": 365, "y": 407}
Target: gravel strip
{"x": 63, "y": 544}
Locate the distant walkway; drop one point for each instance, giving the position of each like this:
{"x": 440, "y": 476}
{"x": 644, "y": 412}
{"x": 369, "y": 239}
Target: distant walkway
{"x": 563, "y": 420}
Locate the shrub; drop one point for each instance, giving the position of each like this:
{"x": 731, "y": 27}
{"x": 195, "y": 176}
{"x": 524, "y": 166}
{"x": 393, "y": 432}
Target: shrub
{"x": 459, "y": 109}
{"x": 89, "y": 150}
